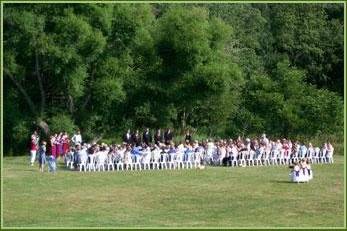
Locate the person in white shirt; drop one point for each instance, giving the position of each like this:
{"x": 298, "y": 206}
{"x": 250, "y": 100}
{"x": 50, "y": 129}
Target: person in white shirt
{"x": 77, "y": 138}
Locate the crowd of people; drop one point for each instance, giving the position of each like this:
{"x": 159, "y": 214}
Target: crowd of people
{"x": 159, "y": 151}
{"x": 59, "y": 145}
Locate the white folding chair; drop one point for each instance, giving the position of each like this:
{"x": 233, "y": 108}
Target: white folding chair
{"x": 197, "y": 159}
{"x": 250, "y": 158}
{"x": 179, "y": 159}
{"x": 137, "y": 162}
{"x": 156, "y": 158}
{"x": 146, "y": 160}
{"x": 242, "y": 158}
{"x": 128, "y": 161}
{"x": 171, "y": 160}
{"x": 91, "y": 162}
{"x": 100, "y": 161}
{"x": 189, "y": 162}
{"x": 83, "y": 164}
{"x": 258, "y": 156}
{"x": 163, "y": 161}
{"x": 266, "y": 157}
{"x": 110, "y": 162}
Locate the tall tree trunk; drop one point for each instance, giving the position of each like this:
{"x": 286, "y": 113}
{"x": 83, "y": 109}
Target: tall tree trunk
{"x": 43, "y": 97}
{"x": 86, "y": 101}
{"x": 184, "y": 120}
{"x": 24, "y": 93}
{"x": 44, "y": 126}
{"x": 71, "y": 105}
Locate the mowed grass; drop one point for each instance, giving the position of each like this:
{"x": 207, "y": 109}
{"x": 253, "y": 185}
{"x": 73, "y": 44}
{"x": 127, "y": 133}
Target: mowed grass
{"x": 214, "y": 197}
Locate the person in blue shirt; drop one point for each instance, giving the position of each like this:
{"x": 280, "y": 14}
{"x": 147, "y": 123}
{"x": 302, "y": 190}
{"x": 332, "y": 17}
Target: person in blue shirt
{"x": 302, "y": 150}
{"x": 42, "y": 156}
{"x": 136, "y": 152}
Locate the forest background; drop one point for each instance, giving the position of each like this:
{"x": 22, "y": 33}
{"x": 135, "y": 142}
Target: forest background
{"x": 220, "y": 70}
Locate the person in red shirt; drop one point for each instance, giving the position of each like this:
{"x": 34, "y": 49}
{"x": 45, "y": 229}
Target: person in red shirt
{"x": 59, "y": 145}
{"x": 66, "y": 142}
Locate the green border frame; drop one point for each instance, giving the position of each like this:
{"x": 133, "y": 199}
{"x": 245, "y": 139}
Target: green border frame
{"x": 170, "y": 2}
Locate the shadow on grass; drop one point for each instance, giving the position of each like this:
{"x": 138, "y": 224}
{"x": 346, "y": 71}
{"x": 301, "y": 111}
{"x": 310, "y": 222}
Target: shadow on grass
{"x": 281, "y": 181}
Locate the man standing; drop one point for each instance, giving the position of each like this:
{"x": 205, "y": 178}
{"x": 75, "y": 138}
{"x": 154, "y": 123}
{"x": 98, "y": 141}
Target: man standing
{"x": 188, "y": 138}
{"x": 127, "y": 137}
{"x": 168, "y": 136}
{"x": 136, "y": 139}
{"x": 158, "y": 138}
{"x": 147, "y": 137}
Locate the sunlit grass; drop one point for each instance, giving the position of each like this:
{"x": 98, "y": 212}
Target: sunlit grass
{"x": 214, "y": 197}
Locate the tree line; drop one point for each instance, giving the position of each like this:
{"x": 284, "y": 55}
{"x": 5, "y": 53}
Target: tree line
{"x": 217, "y": 69}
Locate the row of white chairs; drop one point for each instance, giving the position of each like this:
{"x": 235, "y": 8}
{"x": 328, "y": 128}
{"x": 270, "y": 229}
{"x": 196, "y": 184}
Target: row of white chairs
{"x": 274, "y": 157}
{"x": 156, "y": 159}
{"x": 102, "y": 161}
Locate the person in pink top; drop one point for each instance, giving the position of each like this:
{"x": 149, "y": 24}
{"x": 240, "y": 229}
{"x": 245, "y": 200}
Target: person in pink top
{"x": 59, "y": 145}
{"x": 65, "y": 141}
{"x": 53, "y": 145}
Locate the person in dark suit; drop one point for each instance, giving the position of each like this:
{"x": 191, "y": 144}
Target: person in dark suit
{"x": 127, "y": 137}
{"x": 147, "y": 137}
{"x": 136, "y": 138}
{"x": 188, "y": 138}
{"x": 168, "y": 136}
{"x": 158, "y": 137}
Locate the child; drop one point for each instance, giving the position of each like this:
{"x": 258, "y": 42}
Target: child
{"x": 42, "y": 155}
{"x": 309, "y": 170}
{"x": 295, "y": 173}
{"x": 52, "y": 166}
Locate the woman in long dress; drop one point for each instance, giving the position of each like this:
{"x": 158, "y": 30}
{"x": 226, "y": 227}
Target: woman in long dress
{"x": 53, "y": 145}
{"x": 65, "y": 141}
{"x": 59, "y": 143}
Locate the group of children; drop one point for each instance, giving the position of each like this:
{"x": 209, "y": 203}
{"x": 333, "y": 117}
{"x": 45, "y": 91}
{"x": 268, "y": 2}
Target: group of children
{"x": 38, "y": 151}
{"x": 301, "y": 171}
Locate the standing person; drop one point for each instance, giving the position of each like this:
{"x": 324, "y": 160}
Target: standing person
{"x": 136, "y": 139}
{"x": 168, "y": 136}
{"x": 158, "y": 137}
{"x": 147, "y": 137}
{"x": 188, "y": 138}
{"x": 33, "y": 147}
{"x": 65, "y": 142}
{"x": 53, "y": 145}
{"x": 127, "y": 137}
{"x": 59, "y": 143}
{"x": 42, "y": 155}
{"x": 76, "y": 138}
{"x": 329, "y": 153}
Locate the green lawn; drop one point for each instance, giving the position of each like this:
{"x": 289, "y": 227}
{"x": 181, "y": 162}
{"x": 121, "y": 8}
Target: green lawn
{"x": 214, "y": 197}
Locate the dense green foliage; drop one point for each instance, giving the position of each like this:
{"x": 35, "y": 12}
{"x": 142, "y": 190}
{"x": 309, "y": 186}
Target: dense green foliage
{"x": 220, "y": 69}
{"x": 214, "y": 197}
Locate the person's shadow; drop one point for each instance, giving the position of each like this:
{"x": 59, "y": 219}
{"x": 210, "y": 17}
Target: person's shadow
{"x": 281, "y": 181}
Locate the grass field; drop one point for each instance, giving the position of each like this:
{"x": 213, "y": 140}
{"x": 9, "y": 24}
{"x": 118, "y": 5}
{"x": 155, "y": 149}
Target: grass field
{"x": 214, "y": 197}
